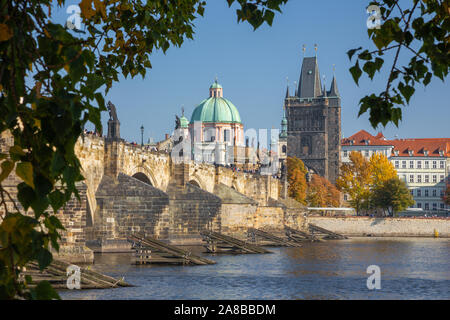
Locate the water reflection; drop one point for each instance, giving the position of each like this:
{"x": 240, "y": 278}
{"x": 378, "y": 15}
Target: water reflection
{"x": 411, "y": 269}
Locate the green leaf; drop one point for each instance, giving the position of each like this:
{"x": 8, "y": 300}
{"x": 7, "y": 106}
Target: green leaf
{"x": 44, "y": 291}
{"x": 44, "y": 258}
{"x": 7, "y": 167}
{"x": 356, "y": 72}
{"x": 351, "y": 52}
{"x": 406, "y": 90}
{"x": 25, "y": 171}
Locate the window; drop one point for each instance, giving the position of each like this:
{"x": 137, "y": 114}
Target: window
{"x": 419, "y": 178}
{"x": 345, "y": 197}
{"x": 345, "y": 153}
{"x": 411, "y": 164}
{"x": 434, "y": 164}
{"x": 426, "y": 192}
{"x": 441, "y": 164}
{"x": 434, "y": 192}
{"x": 366, "y": 153}
{"x": 412, "y": 192}
{"x": 441, "y": 205}
{"x": 411, "y": 178}
{"x": 427, "y": 206}
{"x": 403, "y": 164}
{"x": 396, "y": 164}
{"x": 427, "y": 178}
{"x": 419, "y": 205}
{"x": 434, "y": 206}
{"x": 441, "y": 193}
{"x": 427, "y": 164}
{"x": 284, "y": 149}
{"x": 441, "y": 178}
{"x": 419, "y": 164}
{"x": 226, "y": 135}
{"x": 434, "y": 178}
{"x": 419, "y": 192}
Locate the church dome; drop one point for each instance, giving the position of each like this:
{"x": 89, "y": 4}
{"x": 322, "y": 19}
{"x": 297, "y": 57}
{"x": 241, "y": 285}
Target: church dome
{"x": 216, "y": 109}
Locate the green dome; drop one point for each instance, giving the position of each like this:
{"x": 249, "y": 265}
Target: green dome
{"x": 215, "y": 85}
{"x": 184, "y": 122}
{"x": 216, "y": 110}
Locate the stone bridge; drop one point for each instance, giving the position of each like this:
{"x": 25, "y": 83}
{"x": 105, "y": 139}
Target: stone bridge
{"x": 129, "y": 188}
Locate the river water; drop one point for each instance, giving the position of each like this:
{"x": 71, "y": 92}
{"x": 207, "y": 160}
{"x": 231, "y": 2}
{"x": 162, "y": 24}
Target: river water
{"x": 411, "y": 268}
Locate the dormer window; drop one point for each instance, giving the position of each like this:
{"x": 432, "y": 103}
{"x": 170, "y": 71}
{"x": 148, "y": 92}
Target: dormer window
{"x": 396, "y": 153}
{"x": 425, "y": 152}
{"x": 367, "y": 142}
{"x": 441, "y": 153}
{"x": 410, "y": 152}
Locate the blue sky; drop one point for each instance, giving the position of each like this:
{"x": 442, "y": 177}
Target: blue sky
{"x": 252, "y": 67}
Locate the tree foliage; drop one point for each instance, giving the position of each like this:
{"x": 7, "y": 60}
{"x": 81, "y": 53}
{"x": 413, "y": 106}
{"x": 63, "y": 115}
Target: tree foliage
{"x": 322, "y": 193}
{"x": 381, "y": 169}
{"x": 296, "y": 176}
{"x": 446, "y": 197}
{"x": 392, "y": 196}
{"x": 355, "y": 179}
{"x": 419, "y": 32}
{"x": 50, "y": 81}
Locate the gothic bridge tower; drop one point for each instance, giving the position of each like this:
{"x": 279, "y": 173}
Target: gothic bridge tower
{"x": 314, "y": 122}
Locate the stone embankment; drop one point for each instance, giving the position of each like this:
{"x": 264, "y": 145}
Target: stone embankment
{"x": 384, "y": 227}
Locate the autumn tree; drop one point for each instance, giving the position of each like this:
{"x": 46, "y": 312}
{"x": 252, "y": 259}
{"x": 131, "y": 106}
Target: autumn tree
{"x": 296, "y": 177}
{"x": 322, "y": 193}
{"x": 446, "y": 197}
{"x": 355, "y": 179}
{"x": 392, "y": 196}
{"x": 381, "y": 169}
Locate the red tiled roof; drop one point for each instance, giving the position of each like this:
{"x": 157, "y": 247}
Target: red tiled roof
{"x": 362, "y": 138}
{"x": 418, "y": 146}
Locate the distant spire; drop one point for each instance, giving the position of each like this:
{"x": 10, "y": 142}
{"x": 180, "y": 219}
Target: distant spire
{"x": 334, "y": 92}
{"x": 182, "y": 110}
{"x": 296, "y": 89}
{"x": 324, "y": 87}
{"x": 315, "y": 48}
{"x": 287, "y": 89}
{"x": 310, "y": 84}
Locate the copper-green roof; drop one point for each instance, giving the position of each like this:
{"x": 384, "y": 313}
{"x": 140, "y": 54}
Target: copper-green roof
{"x": 184, "y": 122}
{"x": 216, "y": 110}
{"x": 215, "y": 85}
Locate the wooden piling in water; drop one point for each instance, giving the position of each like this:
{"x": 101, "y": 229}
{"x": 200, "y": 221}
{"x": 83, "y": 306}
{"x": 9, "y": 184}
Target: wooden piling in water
{"x": 270, "y": 239}
{"x": 152, "y": 251}
{"x": 220, "y": 243}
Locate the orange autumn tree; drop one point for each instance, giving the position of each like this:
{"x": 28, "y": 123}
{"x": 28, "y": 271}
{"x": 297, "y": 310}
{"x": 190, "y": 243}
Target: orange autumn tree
{"x": 355, "y": 179}
{"x": 296, "y": 176}
{"x": 322, "y": 193}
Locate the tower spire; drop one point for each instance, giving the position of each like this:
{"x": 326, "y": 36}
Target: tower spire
{"x": 287, "y": 88}
{"x": 334, "y": 92}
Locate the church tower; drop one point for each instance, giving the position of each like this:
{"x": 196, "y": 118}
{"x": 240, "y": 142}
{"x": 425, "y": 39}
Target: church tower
{"x": 314, "y": 122}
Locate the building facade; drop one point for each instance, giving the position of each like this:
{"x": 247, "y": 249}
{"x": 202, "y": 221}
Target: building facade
{"x": 313, "y": 117}
{"x": 423, "y": 164}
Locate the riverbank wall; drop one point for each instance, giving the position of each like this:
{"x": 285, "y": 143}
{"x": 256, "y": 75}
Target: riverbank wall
{"x": 384, "y": 227}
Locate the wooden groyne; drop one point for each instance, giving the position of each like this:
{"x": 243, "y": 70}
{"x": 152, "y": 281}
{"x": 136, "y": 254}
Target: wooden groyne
{"x": 299, "y": 236}
{"x": 220, "y": 243}
{"x": 56, "y": 274}
{"x": 151, "y": 251}
{"x": 326, "y": 234}
{"x": 265, "y": 238}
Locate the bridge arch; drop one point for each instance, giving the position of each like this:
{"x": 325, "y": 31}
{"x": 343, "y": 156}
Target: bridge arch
{"x": 142, "y": 177}
{"x": 145, "y": 174}
{"x": 196, "y": 181}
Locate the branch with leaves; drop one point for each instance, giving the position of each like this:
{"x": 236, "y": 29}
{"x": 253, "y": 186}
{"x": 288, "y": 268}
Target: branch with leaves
{"x": 420, "y": 32}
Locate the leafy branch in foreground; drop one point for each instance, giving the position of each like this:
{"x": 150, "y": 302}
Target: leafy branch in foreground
{"x": 50, "y": 81}
{"x": 422, "y": 33}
